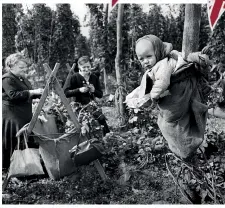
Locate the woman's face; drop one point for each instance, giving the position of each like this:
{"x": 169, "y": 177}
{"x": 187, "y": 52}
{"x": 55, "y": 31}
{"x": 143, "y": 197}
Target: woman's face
{"x": 85, "y": 69}
{"x": 146, "y": 54}
{"x": 20, "y": 69}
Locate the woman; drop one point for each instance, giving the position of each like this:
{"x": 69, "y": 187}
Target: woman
{"x": 85, "y": 86}
{"x": 17, "y": 95}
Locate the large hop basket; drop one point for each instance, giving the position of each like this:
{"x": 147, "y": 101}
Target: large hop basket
{"x": 55, "y": 151}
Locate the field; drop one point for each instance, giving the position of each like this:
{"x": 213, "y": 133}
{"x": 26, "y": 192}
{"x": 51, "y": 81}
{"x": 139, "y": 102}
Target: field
{"x": 128, "y": 182}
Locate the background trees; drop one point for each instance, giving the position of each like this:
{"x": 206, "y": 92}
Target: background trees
{"x": 66, "y": 27}
{"x": 217, "y": 41}
{"x": 8, "y": 29}
{"x": 54, "y": 36}
{"x": 50, "y": 36}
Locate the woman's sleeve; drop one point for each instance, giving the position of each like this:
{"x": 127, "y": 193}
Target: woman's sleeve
{"x": 70, "y": 88}
{"x": 13, "y": 93}
{"x": 98, "y": 91}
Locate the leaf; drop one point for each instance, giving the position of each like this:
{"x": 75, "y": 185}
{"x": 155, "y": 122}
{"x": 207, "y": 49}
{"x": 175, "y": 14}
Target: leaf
{"x": 6, "y": 196}
{"x": 211, "y": 164}
{"x": 124, "y": 178}
{"x": 83, "y": 130}
{"x": 139, "y": 141}
{"x": 137, "y": 191}
{"x": 136, "y": 110}
{"x": 204, "y": 193}
{"x": 133, "y": 120}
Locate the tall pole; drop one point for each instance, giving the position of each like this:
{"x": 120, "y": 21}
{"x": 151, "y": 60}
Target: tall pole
{"x": 105, "y": 69}
{"x": 191, "y": 29}
{"x": 121, "y": 108}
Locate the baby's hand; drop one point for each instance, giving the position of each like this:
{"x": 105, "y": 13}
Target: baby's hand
{"x": 175, "y": 54}
{"x": 164, "y": 94}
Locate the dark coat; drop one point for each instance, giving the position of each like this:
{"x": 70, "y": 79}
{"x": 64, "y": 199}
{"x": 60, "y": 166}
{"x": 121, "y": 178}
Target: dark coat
{"x": 16, "y": 112}
{"x": 71, "y": 89}
{"x": 76, "y": 81}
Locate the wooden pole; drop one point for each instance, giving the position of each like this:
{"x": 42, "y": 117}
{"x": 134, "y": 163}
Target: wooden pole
{"x": 191, "y": 29}
{"x": 61, "y": 94}
{"x": 105, "y": 12}
{"x": 121, "y": 109}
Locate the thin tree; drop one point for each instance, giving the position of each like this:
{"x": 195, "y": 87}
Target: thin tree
{"x": 120, "y": 94}
{"x": 105, "y": 13}
{"x": 191, "y": 29}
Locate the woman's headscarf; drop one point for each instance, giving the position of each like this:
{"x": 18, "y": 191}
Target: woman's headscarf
{"x": 162, "y": 49}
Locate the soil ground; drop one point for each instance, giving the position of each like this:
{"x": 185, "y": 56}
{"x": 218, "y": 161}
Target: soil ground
{"x": 153, "y": 185}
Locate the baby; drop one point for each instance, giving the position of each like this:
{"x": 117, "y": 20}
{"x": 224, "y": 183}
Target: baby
{"x": 151, "y": 53}
{"x": 160, "y": 62}
{"x": 174, "y": 83}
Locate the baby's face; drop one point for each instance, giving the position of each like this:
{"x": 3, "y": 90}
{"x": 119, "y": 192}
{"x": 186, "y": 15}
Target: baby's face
{"x": 145, "y": 54}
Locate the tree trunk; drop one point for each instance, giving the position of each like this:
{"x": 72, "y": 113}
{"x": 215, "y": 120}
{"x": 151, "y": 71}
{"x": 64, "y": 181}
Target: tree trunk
{"x": 120, "y": 107}
{"x": 191, "y": 29}
{"x": 105, "y": 77}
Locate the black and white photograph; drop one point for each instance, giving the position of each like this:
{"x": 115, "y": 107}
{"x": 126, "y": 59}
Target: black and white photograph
{"x": 113, "y": 105}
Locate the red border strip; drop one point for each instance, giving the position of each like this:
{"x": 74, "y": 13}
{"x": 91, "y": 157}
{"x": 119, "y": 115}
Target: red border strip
{"x": 214, "y": 16}
{"x": 114, "y": 2}
{"x": 217, "y": 6}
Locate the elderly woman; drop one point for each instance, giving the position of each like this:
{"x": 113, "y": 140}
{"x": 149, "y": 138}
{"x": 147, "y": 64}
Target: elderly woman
{"x": 17, "y": 95}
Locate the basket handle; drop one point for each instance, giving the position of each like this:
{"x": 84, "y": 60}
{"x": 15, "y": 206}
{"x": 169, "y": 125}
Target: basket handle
{"x": 25, "y": 139}
{"x": 18, "y": 143}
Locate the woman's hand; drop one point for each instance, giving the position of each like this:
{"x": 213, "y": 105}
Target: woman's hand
{"x": 83, "y": 89}
{"x": 92, "y": 88}
{"x": 36, "y": 92}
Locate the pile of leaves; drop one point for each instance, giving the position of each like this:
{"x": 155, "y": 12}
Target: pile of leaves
{"x": 134, "y": 163}
{"x": 203, "y": 178}
{"x": 132, "y": 147}
{"x": 210, "y": 157}
{"x": 213, "y": 161}
{"x": 140, "y": 144}
{"x": 54, "y": 106}
{"x": 131, "y": 181}
{"x": 215, "y": 97}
